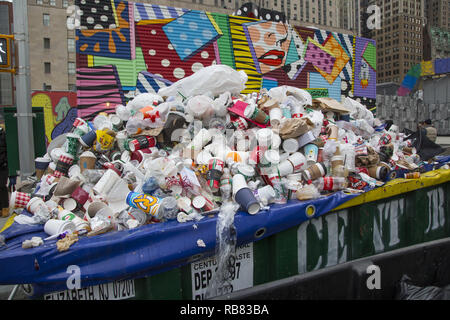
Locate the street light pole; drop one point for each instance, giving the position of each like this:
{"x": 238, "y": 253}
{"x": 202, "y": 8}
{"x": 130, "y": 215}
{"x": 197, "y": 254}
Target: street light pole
{"x": 23, "y": 90}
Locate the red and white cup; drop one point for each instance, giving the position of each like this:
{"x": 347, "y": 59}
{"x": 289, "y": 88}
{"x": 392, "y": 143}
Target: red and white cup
{"x": 203, "y": 204}
{"x": 19, "y": 199}
{"x": 298, "y": 161}
{"x": 65, "y": 161}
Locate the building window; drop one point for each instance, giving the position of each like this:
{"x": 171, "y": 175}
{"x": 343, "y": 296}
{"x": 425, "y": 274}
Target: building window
{"x": 47, "y": 87}
{"x": 47, "y": 67}
{"x": 46, "y": 43}
{"x": 38, "y": 1}
{"x": 72, "y": 87}
{"x": 46, "y": 19}
{"x": 65, "y": 3}
{"x": 71, "y": 45}
{"x": 71, "y": 68}
{"x": 53, "y": 2}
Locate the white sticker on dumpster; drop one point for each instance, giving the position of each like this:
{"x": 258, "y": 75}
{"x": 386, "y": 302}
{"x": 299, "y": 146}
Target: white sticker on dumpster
{"x": 202, "y": 272}
{"x": 117, "y": 290}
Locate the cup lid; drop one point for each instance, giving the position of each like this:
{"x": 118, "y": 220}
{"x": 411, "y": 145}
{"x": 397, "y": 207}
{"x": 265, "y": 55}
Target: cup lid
{"x": 199, "y": 202}
{"x": 272, "y": 156}
{"x": 88, "y": 154}
{"x": 249, "y": 110}
{"x": 290, "y": 145}
{"x": 246, "y": 170}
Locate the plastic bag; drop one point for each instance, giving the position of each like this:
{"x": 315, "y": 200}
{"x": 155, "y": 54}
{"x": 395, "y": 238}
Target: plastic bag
{"x": 407, "y": 291}
{"x": 211, "y": 81}
{"x": 358, "y": 111}
{"x": 143, "y": 100}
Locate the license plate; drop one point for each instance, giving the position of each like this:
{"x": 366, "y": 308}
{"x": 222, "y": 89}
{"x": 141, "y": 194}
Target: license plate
{"x": 117, "y": 290}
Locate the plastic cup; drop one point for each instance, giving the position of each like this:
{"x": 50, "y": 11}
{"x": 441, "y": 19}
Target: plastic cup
{"x": 247, "y": 200}
{"x": 55, "y": 226}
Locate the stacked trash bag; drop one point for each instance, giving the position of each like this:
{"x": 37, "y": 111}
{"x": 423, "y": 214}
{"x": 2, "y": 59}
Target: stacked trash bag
{"x": 182, "y": 153}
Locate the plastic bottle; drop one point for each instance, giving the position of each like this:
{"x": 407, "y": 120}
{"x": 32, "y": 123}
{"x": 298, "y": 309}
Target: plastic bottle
{"x": 225, "y": 185}
{"x": 330, "y": 183}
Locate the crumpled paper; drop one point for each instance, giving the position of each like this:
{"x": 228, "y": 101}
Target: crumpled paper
{"x": 32, "y": 243}
{"x": 65, "y": 243}
{"x": 295, "y": 127}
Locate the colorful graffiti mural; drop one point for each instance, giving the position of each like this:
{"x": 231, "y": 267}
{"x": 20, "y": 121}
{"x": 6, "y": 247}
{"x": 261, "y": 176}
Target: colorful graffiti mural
{"x": 423, "y": 69}
{"x": 126, "y": 48}
{"x": 59, "y": 111}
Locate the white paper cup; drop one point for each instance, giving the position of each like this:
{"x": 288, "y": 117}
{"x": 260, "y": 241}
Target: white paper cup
{"x": 285, "y": 168}
{"x": 298, "y": 160}
{"x": 93, "y": 208}
{"x": 275, "y": 115}
{"x": 55, "y": 227}
{"x": 34, "y": 204}
{"x": 200, "y": 140}
{"x": 267, "y": 193}
{"x": 69, "y": 204}
{"x": 276, "y": 142}
{"x": 239, "y": 183}
{"x": 311, "y": 152}
{"x": 56, "y": 153}
{"x": 264, "y": 137}
{"x": 290, "y": 145}
{"x": 106, "y": 182}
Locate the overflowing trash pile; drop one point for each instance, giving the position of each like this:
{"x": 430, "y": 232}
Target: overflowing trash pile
{"x": 198, "y": 144}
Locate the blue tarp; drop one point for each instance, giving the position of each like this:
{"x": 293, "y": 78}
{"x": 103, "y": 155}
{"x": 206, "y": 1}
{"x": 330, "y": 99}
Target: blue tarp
{"x": 143, "y": 251}
{"x": 140, "y": 252}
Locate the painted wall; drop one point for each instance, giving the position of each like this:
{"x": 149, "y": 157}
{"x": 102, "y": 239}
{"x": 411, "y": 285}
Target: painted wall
{"x": 59, "y": 111}
{"x": 126, "y": 48}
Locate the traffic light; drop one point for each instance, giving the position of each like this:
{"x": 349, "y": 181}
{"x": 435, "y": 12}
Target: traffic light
{"x": 5, "y": 53}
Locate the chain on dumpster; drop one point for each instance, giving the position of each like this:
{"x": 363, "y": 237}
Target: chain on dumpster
{"x": 184, "y": 152}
